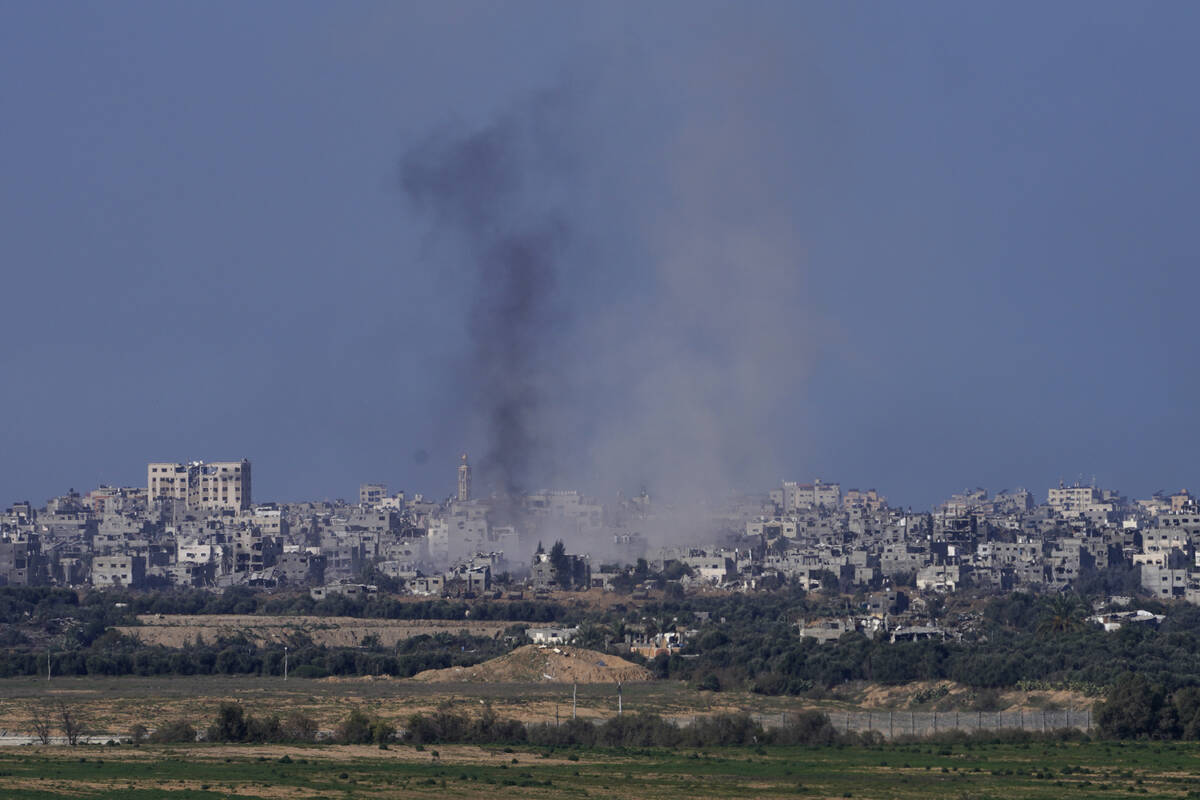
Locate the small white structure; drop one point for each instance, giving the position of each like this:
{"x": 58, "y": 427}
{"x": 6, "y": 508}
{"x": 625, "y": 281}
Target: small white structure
{"x": 1114, "y": 621}
{"x": 552, "y": 635}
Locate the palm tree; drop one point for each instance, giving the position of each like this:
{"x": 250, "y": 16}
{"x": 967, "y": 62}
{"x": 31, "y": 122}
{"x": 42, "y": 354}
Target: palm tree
{"x": 592, "y": 636}
{"x": 1061, "y": 614}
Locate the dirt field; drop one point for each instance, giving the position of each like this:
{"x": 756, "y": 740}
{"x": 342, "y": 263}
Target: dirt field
{"x": 536, "y": 664}
{"x": 958, "y": 697}
{"x": 177, "y": 630}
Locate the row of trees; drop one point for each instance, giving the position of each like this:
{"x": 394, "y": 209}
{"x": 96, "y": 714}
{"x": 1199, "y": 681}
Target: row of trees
{"x": 772, "y": 660}
{"x": 114, "y": 654}
{"x": 631, "y": 730}
{"x": 36, "y": 605}
{"x": 232, "y": 724}
{"x": 1135, "y": 708}
{"x": 744, "y": 641}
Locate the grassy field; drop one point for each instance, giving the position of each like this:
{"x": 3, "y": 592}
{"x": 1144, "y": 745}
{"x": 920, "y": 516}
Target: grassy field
{"x": 1032, "y": 770}
{"x": 111, "y": 706}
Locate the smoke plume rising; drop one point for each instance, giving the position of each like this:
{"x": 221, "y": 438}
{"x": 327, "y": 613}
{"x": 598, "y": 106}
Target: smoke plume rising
{"x": 478, "y": 187}
{"x": 637, "y": 311}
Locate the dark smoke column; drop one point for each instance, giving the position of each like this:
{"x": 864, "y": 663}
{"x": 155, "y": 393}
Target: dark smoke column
{"x": 490, "y": 196}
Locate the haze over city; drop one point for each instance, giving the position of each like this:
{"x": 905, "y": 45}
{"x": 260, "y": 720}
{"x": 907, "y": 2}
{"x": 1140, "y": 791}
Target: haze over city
{"x": 691, "y": 247}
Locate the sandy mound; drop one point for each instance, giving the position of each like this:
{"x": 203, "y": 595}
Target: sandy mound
{"x": 535, "y": 663}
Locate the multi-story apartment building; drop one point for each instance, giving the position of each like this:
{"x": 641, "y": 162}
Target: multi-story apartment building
{"x": 21, "y": 562}
{"x": 123, "y": 570}
{"x": 793, "y": 496}
{"x": 219, "y": 486}
{"x": 870, "y": 499}
{"x": 1071, "y": 500}
{"x": 370, "y": 494}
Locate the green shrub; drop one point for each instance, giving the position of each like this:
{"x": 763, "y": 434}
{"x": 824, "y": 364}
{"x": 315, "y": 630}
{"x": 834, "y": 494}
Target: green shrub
{"x": 177, "y": 730}
{"x": 355, "y": 728}
{"x": 229, "y": 725}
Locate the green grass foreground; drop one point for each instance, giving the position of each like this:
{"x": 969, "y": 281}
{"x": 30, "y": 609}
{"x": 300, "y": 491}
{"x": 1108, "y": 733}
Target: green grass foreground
{"x": 1025, "y": 770}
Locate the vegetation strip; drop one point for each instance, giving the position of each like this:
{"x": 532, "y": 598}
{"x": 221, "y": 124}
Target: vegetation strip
{"x": 1030, "y": 768}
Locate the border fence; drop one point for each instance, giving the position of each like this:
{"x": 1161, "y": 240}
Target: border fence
{"x": 923, "y": 723}
{"x": 888, "y": 724}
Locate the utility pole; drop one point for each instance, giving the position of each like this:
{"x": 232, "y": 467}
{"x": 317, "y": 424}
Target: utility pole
{"x": 47, "y": 665}
{"x": 285, "y": 662}
{"x": 574, "y": 690}
{"x": 619, "y": 704}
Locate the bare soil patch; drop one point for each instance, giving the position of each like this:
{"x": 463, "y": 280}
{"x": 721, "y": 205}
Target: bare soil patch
{"x": 536, "y": 663}
{"x": 179, "y": 630}
{"x": 960, "y": 697}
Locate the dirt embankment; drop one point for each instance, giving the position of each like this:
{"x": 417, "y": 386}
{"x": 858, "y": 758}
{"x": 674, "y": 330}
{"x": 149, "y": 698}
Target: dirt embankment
{"x": 537, "y": 663}
{"x": 949, "y": 696}
{"x": 178, "y": 630}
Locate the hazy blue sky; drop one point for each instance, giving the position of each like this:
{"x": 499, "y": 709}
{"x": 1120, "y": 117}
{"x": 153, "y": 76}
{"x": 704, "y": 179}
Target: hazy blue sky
{"x": 931, "y": 245}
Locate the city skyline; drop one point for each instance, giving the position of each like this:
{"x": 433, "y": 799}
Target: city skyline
{"x": 233, "y": 478}
{"x": 195, "y": 524}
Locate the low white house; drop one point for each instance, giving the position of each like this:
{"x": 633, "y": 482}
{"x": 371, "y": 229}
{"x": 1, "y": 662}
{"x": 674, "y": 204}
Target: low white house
{"x": 552, "y": 635}
{"x": 1113, "y": 621}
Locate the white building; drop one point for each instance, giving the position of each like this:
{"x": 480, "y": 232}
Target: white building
{"x": 552, "y": 635}
{"x": 219, "y": 486}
